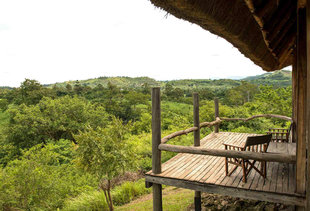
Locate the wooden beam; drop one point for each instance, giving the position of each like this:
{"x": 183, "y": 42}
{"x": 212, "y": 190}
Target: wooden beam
{"x": 272, "y": 157}
{"x": 230, "y": 191}
{"x": 156, "y": 153}
{"x": 301, "y": 104}
{"x": 258, "y": 116}
{"x": 216, "y": 113}
{"x": 218, "y": 121}
{"x": 289, "y": 29}
{"x": 295, "y": 98}
{"x": 196, "y": 120}
{"x": 281, "y": 11}
{"x": 156, "y": 131}
{"x": 308, "y": 104}
{"x": 157, "y": 197}
{"x": 197, "y": 199}
{"x": 282, "y": 24}
{"x": 265, "y": 8}
{"x": 273, "y": 37}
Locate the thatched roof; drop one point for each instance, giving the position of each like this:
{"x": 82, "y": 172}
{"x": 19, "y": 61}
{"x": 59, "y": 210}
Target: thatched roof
{"x": 263, "y": 30}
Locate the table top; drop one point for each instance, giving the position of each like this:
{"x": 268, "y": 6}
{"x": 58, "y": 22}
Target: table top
{"x": 239, "y": 139}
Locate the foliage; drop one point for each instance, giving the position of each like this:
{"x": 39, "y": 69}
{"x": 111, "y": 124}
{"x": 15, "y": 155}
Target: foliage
{"x": 52, "y": 119}
{"x": 87, "y": 201}
{"x": 173, "y": 199}
{"x": 38, "y": 126}
{"x": 95, "y": 200}
{"x": 38, "y": 181}
{"x": 106, "y": 153}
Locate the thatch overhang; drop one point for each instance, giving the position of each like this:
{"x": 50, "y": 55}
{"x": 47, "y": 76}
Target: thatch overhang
{"x": 262, "y": 30}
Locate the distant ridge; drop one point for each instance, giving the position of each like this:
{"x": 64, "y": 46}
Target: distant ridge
{"x": 120, "y": 81}
{"x": 281, "y": 78}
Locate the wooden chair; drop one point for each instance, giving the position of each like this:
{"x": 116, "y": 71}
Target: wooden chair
{"x": 254, "y": 144}
{"x": 280, "y": 134}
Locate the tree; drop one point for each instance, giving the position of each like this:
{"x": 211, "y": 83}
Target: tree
{"x": 106, "y": 153}
{"x": 30, "y": 92}
{"x": 242, "y": 93}
{"x": 52, "y": 119}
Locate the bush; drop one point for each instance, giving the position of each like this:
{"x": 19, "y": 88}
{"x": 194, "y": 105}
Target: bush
{"x": 128, "y": 191}
{"x": 89, "y": 201}
{"x": 96, "y": 200}
{"x": 38, "y": 181}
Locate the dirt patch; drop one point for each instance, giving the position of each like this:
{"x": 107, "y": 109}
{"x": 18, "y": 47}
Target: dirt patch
{"x": 211, "y": 202}
{"x": 148, "y": 197}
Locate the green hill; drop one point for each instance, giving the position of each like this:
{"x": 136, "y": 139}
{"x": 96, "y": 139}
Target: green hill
{"x": 279, "y": 78}
{"x": 124, "y": 82}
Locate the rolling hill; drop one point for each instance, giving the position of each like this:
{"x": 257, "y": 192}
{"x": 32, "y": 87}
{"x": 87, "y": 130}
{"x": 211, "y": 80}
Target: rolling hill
{"x": 280, "y": 78}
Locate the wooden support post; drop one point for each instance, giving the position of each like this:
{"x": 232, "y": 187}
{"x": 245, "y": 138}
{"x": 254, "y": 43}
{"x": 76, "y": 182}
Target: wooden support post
{"x": 156, "y": 153}
{"x": 197, "y": 200}
{"x": 196, "y": 120}
{"x": 295, "y": 98}
{"x": 217, "y": 113}
{"x": 308, "y": 104}
{"x": 301, "y": 67}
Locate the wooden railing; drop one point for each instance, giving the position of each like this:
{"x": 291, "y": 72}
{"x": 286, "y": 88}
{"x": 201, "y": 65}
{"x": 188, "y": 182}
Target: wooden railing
{"x": 161, "y": 144}
{"x": 218, "y": 121}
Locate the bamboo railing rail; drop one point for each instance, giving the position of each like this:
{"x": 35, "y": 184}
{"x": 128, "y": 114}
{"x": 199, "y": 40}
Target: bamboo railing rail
{"x": 217, "y": 122}
{"x": 272, "y": 157}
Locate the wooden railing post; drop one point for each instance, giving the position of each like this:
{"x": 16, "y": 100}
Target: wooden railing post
{"x": 308, "y": 104}
{"x": 217, "y": 113}
{"x": 197, "y": 200}
{"x": 156, "y": 153}
{"x": 196, "y": 120}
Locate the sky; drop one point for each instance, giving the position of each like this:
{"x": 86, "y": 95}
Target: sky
{"x": 59, "y": 40}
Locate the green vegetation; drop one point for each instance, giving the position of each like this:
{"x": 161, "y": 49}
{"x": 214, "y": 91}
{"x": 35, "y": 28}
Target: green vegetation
{"x": 95, "y": 200}
{"x": 174, "y": 199}
{"x": 67, "y": 147}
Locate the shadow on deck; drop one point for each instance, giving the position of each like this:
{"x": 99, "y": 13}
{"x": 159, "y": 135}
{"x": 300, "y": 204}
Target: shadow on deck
{"x": 207, "y": 174}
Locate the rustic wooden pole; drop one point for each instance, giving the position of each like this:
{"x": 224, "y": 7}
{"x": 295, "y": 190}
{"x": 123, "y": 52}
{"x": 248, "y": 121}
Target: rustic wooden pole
{"x": 156, "y": 153}
{"x": 308, "y": 103}
{"x": 196, "y": 120}
{"x": 301, "y": 68}
{"x": 294, "y": 98}
{"x": 197, "y": 200}
{"x": 217, "y": 113}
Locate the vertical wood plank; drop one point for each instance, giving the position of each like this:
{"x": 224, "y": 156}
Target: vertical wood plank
{"x": 156, "y": 153}
{"x": 301, "y": 104}
{"x": 157, "y": 197}
{"x": 196, "y": 119}
{"x": 295, "y": 98}
{"x": 217, "y": 113}
{"x": 308, "y": 103}
{"x": 197, "y": 199}
{"x": 156, "y": 131}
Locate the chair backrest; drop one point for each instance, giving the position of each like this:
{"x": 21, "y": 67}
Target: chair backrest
{"x": 281, "y": 134}
{"x": 258, "y": 140}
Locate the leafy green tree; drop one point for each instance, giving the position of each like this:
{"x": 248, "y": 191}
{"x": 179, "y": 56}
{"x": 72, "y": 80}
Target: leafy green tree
{"x": 52, "y": 119}
{"x": 30, "y": 92}
{"x": 39, "y": 180}
{"x": 106, "y": 153}
{"x": 242, "y": 93}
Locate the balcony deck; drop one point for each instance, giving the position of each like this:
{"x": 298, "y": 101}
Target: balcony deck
{"x": 207, "y": 173}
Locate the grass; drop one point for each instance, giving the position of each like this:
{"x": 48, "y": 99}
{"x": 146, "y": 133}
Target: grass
{"x": 95, "y": 200}
{"x": 174, "y": 199}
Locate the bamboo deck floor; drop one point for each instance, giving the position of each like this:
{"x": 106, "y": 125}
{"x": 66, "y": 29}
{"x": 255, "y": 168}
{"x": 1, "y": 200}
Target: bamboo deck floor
{"x": 211, "y": 170}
